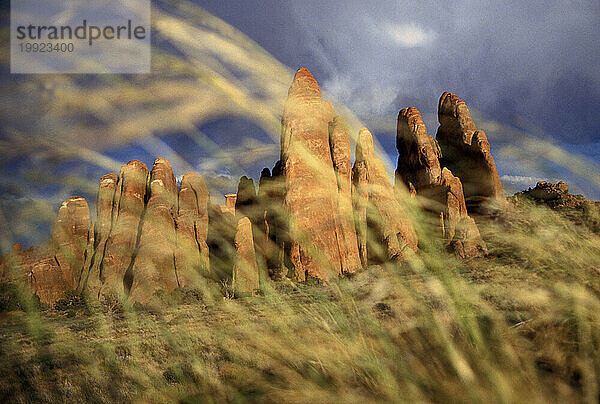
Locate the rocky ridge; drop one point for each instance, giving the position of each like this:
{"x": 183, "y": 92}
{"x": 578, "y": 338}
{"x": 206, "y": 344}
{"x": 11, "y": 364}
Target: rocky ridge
{"x": 314, "y": 216}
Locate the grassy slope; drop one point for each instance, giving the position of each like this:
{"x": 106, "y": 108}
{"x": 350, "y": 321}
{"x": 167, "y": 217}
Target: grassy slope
{"x": 522, "y": 325}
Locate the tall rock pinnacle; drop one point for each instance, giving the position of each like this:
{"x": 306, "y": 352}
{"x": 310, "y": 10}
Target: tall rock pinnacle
{"x": 466, "y": 152}
{"x": 419, "y": 168}
{"x": 311, "y": 185}
{"x": 105, "y": 213}
{"x": 72, "y": 239}
{"x": 341, "y": 150}
{"x": 418, "y": 160}
{"x": 192, "y": 258}
{"x": 154, "y": 265}
{"x": 121, "y": 246}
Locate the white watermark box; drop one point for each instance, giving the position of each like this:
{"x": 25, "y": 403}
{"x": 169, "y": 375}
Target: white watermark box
{"x": 80, "y": 36}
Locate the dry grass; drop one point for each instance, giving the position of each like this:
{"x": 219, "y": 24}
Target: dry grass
{"x": 521, "y": 325}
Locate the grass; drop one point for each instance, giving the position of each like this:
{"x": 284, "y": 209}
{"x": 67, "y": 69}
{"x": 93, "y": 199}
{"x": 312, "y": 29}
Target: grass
{"x": 521, "y": 325}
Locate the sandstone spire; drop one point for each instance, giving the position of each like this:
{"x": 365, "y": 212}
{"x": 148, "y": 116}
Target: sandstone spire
{"x": 466, "y": 152}
{"x": 127, "y": 214}
{"x": 311, "y": 197}
{"x": 72, "y": 239}
{"x": 420, "y": 169}
{"x": 339, "y": 140}
{"x": 105, "y": 212}
{"x": 192, "y": 257}
{"x": 154, "y": 264}
{"x": 418, "y": 159}
{"x": 377, "y": 208}
{"x": 245, "y": 277}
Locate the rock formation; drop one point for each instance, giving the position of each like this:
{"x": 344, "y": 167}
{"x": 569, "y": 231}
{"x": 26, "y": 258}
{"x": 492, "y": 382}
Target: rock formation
{"x": 419, "y": 169}
{"x": 339, "y": 140}
{"x": 314, "y": 215}
{"x": 105, "y": 212}
{"x": 71, "y": 239}
{"x": 271, "y": 195}
{"x": 466, "y": 152}
{"x": 229, "y": 205}
{"x": 458, "y": 229}
{"x": 245, "y": 278}
{"x": 221, "y": 232}
{"x": 57, "y": 267}
{"x": 246, "y": 203}
{"x": 192, "y": 257}
{"x": 121, "y": 246}
{"x": 154, "y": 264}
{"x": 419, "y": 153}
{"x": 380, "y": 218}
{"x": 553, "y": 195}
{"x": 311, "y": 196}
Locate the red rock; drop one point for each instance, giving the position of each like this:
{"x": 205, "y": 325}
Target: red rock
{"x": 122, "y": 241}
{"x": 466, "y": 152}
{"x": 105, "y": 212}
{"x": 311, "y": 185}
{"x": 339, "y": 140}
{"x": 154, "y": 264}
{"x": 458, "y": 229}
{"x": 378, "y": 208}
{"x": 192, "y": 258}
{"x": 245, "y": 279}
{"x": 554, "y": 195}
{"x": 72, "y": 239}
{"x": 418, "y": 160}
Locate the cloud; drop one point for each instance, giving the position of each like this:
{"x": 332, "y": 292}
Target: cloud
{"x": 409, "y": 35}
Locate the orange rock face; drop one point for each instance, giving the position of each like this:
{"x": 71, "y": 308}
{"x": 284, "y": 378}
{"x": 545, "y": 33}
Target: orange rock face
{"x": 72, "y": 239}
{"x": 192, "y": 258}
{"x": 118, "y": 257}
{"x": 339, "y": 140}
{"x": 419, "y": 169}
{"x": 377, "y": 208}
{"x": 58, "y": 266}
{"x": 38, "y": 268}
{"x": 245, "y": 277}
{"x": 418, "y": 160}
{"x": 311, "y": 187}
{"x": 154, "y": 264}
{"x": 105, "y": 212}
{"x": 466, "y": 152}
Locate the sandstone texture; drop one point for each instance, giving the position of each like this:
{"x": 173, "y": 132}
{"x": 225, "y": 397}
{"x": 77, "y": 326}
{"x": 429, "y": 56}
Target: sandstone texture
{"x": 378, "y": 210}
{"x": 466, "y": 152}
{"x": 121, "y": 247}
{"x": 105, "y": 214}
{"x": 192, "y": 255}
{"x": 341, "y": 151}
{"x": 245, "y": 279}
{"x": 442, "y": 193}
{"x": 311, "y": 188}
{"x": 71, "y": 239}
{"x": 418, "y": 159}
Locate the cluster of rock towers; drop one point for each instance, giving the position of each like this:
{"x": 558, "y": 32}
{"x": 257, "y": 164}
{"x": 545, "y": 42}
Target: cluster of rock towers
{"x": 314, "y": 215}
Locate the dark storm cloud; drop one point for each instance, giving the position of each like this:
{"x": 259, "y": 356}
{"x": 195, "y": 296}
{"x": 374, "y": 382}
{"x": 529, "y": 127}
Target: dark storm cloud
{"x": 531, "y": 64}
